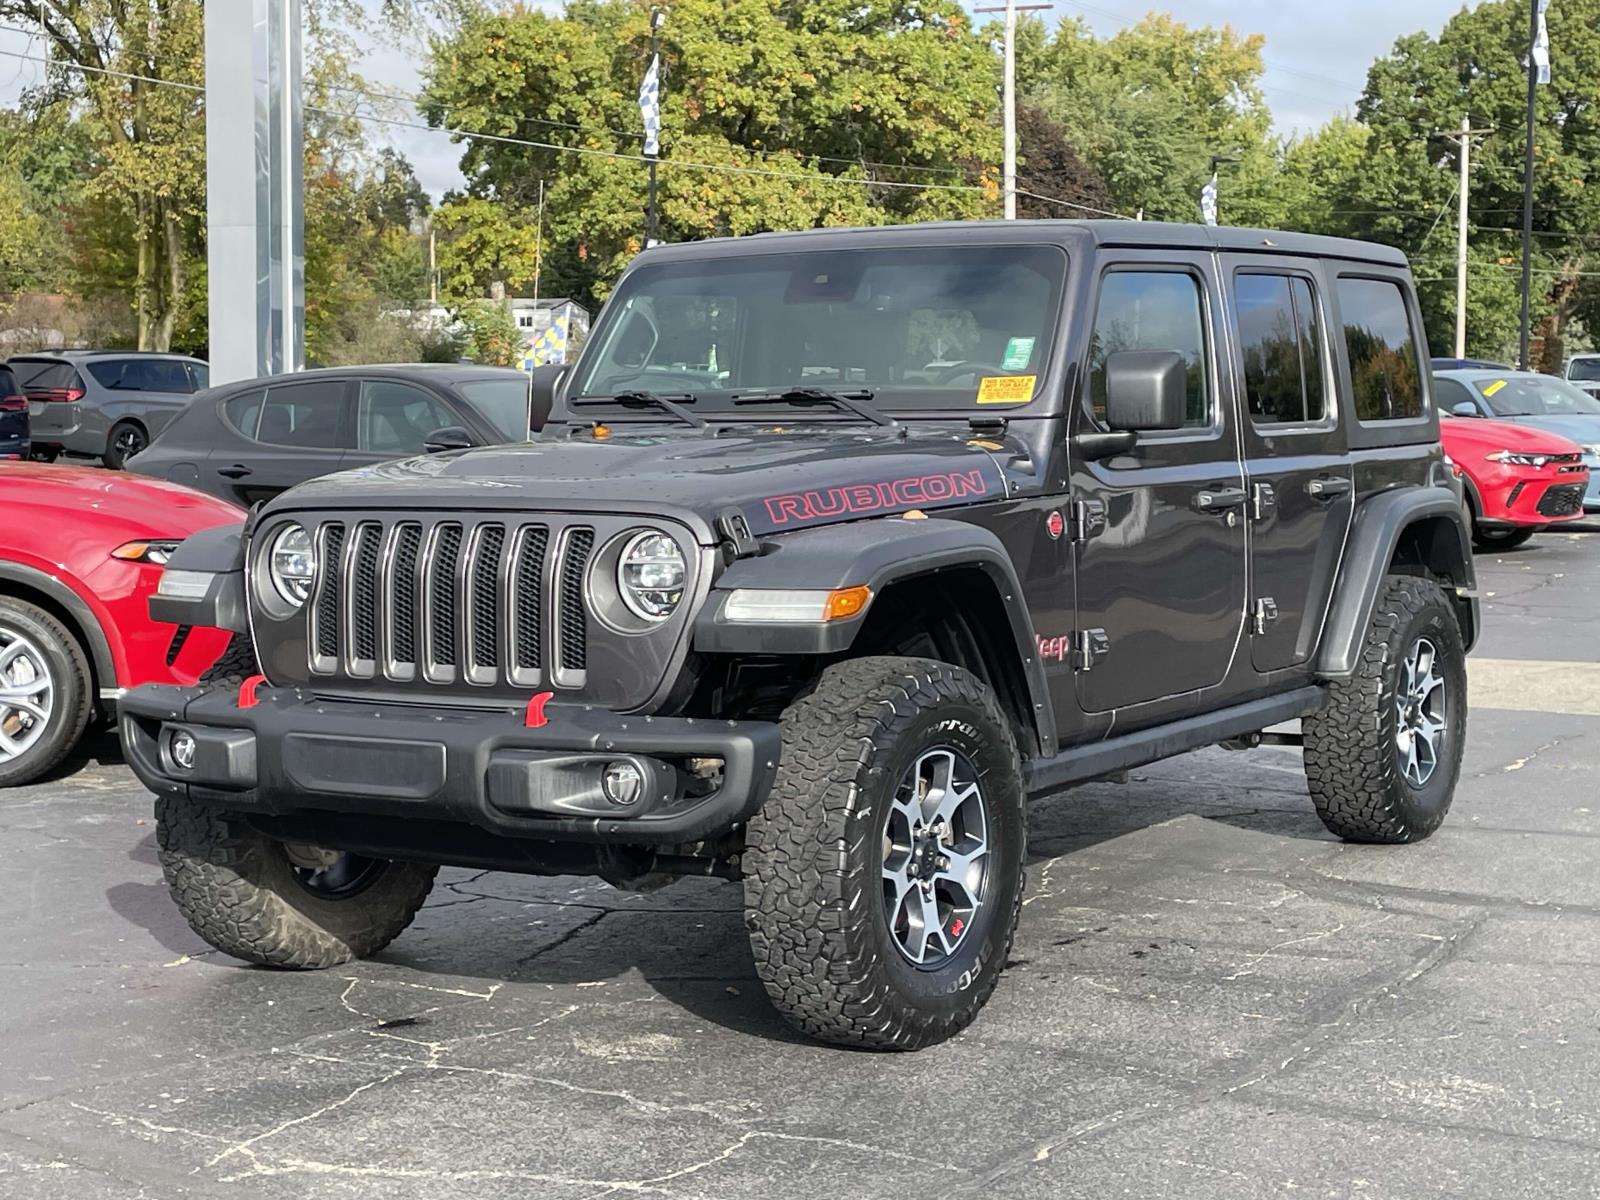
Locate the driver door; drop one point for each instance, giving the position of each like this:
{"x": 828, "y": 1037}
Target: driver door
{"x": 1161, "y": 576}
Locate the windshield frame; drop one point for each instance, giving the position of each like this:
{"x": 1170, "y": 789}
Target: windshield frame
{"x": 899, "y": 401}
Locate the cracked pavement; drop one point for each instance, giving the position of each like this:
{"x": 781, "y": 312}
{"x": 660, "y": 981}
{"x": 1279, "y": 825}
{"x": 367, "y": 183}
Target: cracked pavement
{"x": 1208, "y": 997}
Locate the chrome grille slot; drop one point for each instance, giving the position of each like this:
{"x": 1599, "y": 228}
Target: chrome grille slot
{"x": 361, "y": 618}
{"x": 483, "y": 606}
{"x": 325, "y": 613}
{"x": 572, "y": 622}
{"x": 442, "y": 580}
{"x": 526, "y": 605}
{"x": 400, "y": 590}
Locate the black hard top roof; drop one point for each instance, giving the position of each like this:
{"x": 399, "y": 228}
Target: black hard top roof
{"x": 1069, "y": 234}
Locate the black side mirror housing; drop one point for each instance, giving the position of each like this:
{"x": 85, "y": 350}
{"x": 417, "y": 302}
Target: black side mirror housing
{"x": 546, "y": 382}
{"x": 1466, "y": 409}
{"x": 1146, "y": 390}
{"x": 451, "y": 437}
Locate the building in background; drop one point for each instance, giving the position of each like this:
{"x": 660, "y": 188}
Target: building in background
{"x": 552, "y": 330}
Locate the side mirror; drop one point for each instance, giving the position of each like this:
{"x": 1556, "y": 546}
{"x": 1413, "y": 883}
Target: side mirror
{"x": 1466, "y": 409}
{"x": 546, "y": 382}
{"x": 1146, "y": 390}
{"x": 451, "y": 437}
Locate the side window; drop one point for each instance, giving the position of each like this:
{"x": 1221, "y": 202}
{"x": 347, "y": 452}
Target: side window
{"x": 302, "y": 414}
{"x": 1152, "y": 310}
{"x": 1447, "y": 393}
{"x": 142, "y": 375}
{"x": 243, "y": 411}
{"x": 1281, "y": 343}
{"x": 395, "y": 418}
{"x": 1385, "y": 372}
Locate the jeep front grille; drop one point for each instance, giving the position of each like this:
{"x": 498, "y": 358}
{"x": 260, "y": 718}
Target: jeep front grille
{"x": 452, "y": 601}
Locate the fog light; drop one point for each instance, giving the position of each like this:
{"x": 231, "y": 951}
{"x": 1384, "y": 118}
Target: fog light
{"x": 182, "y": 747}
{"x": 622, "y": 783}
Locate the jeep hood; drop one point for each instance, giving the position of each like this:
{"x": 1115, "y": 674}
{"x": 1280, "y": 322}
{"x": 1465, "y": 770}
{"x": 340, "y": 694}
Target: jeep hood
{"x": 778, "y": 480}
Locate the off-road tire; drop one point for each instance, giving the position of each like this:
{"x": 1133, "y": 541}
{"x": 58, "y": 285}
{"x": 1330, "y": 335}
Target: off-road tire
{"x": 1352, "y": 764}
{"x": 237, "y": 888}
{"x": 73, "y": 685}
{"x": 814, "y": 854}
{"x": 1501, "y": 539}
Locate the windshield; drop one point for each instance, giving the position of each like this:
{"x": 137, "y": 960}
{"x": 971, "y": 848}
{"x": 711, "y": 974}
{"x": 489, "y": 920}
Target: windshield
{"x": 1536, "y": 396}
{"x": 1586, "y": 369}
{"x": 917, "y": 328}
{"x": 501, "y": 402}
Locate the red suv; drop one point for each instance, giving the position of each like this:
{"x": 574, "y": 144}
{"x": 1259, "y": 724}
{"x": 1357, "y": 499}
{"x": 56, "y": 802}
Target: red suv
{"x": 1518, "y": 479}
{"x": 81, "y": 553}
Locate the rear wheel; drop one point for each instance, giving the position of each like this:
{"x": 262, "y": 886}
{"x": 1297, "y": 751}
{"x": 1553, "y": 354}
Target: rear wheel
{"x": 126, "y": 439}
{"x": 883, "y": 875}
{"x": 1503, "y": 538}
{"x": 44, "y": 691}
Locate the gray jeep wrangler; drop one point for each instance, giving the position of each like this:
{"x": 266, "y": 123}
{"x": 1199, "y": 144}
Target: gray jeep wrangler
{"x": 838, "y": 549}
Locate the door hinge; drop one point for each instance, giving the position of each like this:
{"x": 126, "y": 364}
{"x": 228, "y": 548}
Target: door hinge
{"x": 1263, "y": 501}
{"x": 1089, "y": 646}
{"x": 1266, "y": 614}
{"x": 1088, "y": 519}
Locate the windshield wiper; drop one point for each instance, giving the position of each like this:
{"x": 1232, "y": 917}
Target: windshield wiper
{"x": 667, "y": 404}
{"x": 849, "y": 401}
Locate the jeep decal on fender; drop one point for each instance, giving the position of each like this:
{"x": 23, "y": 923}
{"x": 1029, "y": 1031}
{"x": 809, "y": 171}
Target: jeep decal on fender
{"x": 875, "y": 497}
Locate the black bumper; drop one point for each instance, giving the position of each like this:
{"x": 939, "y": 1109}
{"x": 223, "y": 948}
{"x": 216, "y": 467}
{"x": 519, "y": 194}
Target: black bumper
{"x": 295, "y": 753}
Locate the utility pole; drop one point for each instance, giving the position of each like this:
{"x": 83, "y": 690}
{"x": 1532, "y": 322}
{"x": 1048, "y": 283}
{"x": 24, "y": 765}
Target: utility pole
{"x": 538, "y": 246}
{"x": 1008, "y": 184}
{"x": 1466, "y": 135}
{"x": 1535, "y": 23}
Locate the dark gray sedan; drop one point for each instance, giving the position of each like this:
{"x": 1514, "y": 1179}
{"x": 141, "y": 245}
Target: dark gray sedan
{"x": 248, "y": 441}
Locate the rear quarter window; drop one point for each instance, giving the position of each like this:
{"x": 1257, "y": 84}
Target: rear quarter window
{"x": 243, "y": 411}
{"x": 1385, "y": 369}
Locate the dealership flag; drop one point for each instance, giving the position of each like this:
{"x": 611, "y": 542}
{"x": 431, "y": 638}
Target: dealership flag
{"x": 1541, "y": 45}
{"x": 1208, "y": 201}
{"x": 650, "y": 107}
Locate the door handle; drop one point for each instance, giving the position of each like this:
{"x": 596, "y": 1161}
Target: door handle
{"x": 1219, "y": 499}
{"x": 1328, "y": 488}
{"x": 237, "y": 471}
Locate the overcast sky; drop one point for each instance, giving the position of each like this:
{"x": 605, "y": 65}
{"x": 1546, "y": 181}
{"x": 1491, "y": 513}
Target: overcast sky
{"x": 1317, "y": 58}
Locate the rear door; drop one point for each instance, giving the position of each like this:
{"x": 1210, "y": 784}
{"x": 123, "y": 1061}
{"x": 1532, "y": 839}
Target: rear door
{"x": 291, "y": 432}
{"x": 1296, "y": 461}
{"x": 1161, "y": 584}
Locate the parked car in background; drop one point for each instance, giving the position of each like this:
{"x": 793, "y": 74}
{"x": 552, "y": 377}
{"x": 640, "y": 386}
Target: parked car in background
{"x": 1518, "y": 480}
{"x": 249, "y": 441}
{"x": 104, "y": 404}
{"x": 81, "y": 553}
{"x": 1457, "y": 364}
{"x": 1583, "y": 371}
{"x": 14, "y": 439}
{"x": 1528, "y": 398}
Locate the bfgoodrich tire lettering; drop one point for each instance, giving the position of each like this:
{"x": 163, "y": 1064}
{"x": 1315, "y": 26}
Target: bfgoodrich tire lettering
{"x": 1354, "y": 766}
{"x": 814, "y": 894}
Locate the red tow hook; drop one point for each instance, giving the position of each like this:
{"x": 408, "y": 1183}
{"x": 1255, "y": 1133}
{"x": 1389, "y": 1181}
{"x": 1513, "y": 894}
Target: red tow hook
{"x": 247, "y": 691}
{"x": 535, "y": 717}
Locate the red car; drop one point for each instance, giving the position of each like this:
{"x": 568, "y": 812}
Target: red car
{"x": 1518, "y": 479}
{"x": 80, "y": 554}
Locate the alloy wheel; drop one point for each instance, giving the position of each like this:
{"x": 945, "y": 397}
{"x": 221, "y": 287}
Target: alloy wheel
{"x": 1421, "y": 713}
{"x": 27, "y": 694}
{"x": 935, "y": 857}
{"x": 129, "y": 442}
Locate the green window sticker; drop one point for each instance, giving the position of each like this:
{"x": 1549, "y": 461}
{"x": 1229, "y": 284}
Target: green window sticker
{"x": 1018, "y": 352}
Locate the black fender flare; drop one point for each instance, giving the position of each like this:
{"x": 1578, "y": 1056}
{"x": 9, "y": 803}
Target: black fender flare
{"x": 219, "y": 553}
{"x": 878, "y": 554}
{"x": 1380, "y": 524}
{"x": 94, "y": 635}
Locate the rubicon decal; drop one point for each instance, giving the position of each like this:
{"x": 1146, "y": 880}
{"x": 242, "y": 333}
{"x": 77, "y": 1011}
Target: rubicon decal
{"x": 875, "y": 497}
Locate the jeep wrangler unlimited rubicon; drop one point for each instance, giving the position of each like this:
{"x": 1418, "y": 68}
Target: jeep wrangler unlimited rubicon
{"x": 839, "y": 547}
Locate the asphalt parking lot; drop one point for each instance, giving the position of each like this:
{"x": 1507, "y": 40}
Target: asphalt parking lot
{"x": 1209, "y": 996}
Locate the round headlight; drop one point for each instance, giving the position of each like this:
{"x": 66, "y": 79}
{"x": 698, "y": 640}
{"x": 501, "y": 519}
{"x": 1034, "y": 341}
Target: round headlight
{"x": 292, "y": 564}
{"x": 650, "y": 574}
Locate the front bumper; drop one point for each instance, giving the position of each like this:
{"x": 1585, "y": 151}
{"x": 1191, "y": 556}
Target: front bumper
{"x": 296, "y": 753}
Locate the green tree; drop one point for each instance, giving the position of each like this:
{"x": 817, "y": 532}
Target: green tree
{"x": 484, "y": 244}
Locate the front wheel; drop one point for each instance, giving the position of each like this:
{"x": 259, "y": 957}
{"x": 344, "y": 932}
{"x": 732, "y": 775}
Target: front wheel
{"x": 45, "y": 693}
{"x": 1501, "y": 538}
{"x": 1383, "y": 757}
{"x": 883, "y": 875}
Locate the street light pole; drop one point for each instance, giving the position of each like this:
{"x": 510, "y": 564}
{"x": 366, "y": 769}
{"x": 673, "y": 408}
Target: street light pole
{"x": 1008, "y": 177}
{"x": 1527, "y": 191}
